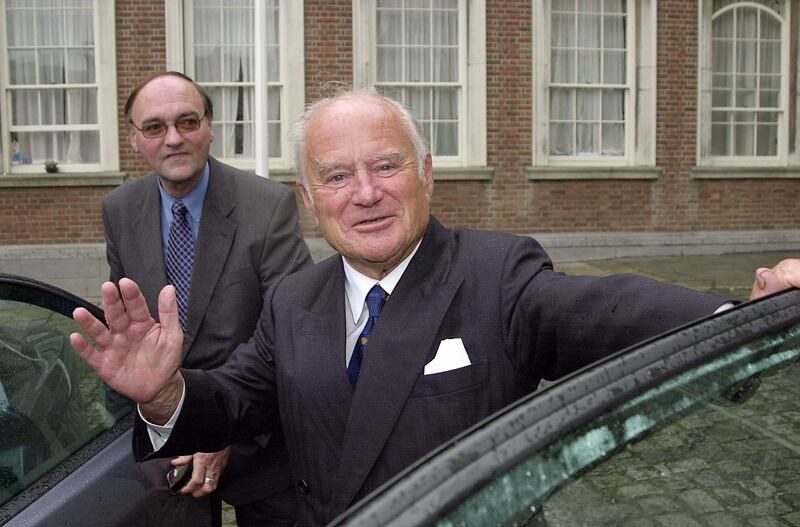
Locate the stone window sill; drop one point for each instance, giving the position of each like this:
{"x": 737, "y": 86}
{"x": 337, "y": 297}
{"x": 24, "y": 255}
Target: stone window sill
{"x": 746, "y": 172}
{"x": 557, "y": 173}
{"x": 65, "y": 179}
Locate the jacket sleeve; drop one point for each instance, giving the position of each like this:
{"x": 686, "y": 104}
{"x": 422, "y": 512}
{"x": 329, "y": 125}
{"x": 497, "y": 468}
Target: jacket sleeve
{"x": 559, "y": 323}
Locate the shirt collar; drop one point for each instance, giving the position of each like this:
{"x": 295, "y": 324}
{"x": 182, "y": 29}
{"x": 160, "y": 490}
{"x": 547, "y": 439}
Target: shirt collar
{"x": 357, "y": 285}
{"x": 193, "y": 200}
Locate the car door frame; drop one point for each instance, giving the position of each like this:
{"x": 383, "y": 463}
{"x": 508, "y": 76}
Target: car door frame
{"x": 102, "y": 473}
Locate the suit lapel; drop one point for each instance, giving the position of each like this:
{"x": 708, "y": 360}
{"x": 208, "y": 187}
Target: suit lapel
{"x": 320, "y": 346}
{"x": 396, "y": 355}
{"x": 213, "y": 245}
{"x": 146, "y": 229}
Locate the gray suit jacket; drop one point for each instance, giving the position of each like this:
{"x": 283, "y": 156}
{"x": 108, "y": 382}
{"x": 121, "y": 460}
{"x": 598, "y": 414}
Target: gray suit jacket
{"x": 519, "y": 321}
{"x": 249, "y": 237}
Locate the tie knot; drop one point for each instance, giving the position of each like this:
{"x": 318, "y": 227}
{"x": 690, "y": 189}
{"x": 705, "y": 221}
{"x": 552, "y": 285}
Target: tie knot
{"x": 375, "y": 300}
{"x": 178, "y": 208}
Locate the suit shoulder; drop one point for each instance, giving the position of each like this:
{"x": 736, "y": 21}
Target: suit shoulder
{"x": 490, "y": 243}
{"x": 307, "y": 282}
{"x": 247, "y": 180}
{"x": 251, "y": 186}
{"x": 128, "y": 191}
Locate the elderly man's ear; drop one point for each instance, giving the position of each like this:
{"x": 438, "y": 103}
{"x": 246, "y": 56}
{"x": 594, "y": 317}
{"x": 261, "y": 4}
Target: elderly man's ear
{"x": 428, "y": 175}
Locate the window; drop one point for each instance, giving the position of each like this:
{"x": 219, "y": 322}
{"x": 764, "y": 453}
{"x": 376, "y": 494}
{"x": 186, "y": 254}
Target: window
{"x": 51, "y": 402}
{"x": 746, "y": 67}
{"x": 239, "y": 52}
{"x": 59, "y": 72}
{"x": 593, "y": 82}
{"x": 430, "y": 55}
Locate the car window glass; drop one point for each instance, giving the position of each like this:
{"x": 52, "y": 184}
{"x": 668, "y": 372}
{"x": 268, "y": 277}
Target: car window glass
{"x": 51, "y": 403}
{"x": 714, "y": 445}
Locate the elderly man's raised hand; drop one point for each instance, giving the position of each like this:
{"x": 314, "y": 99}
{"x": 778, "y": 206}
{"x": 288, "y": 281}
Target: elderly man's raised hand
{"x": 783, "y": 276}
{"x": 135, "y": 355}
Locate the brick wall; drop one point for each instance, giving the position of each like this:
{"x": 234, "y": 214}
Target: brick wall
{"x": 328, "y": 29}
{"x": 51, "y": 215}
{"x": 141, "y": 51}
{"x": 673, "y": 202}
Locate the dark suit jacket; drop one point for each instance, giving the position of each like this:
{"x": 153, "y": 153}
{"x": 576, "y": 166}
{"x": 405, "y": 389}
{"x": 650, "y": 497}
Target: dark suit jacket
{"x": 249, "y": 237}
{"x": 518, "y": 319}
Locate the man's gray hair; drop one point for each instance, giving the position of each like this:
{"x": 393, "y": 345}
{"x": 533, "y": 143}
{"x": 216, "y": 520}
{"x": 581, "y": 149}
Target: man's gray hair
{"x": 338, "y": 92}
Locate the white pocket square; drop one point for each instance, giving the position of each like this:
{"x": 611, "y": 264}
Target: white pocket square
{"x": 451, "y": 355}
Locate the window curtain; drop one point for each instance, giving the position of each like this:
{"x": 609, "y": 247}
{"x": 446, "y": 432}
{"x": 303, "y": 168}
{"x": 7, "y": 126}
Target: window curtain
{"x": 588, "y": 77}
{"x": 417, "y": 62}
{"x": 224, "y": 54}
{"x": 51, "y": 46}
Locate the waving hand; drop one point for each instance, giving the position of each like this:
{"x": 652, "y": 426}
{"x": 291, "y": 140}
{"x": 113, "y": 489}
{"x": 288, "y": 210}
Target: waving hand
{"x": 135, "y": 355}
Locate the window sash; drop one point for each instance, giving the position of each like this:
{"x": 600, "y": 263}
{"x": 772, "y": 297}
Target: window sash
{"x": 53, "y": 91}
{"x": 232, "y": 88}
{"x": 590, "y": 82}
{"x": 746, "y": 83}
{"x": 419, "y": 58}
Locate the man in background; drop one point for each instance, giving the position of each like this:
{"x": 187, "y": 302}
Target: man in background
{"x": 221, "y": 237}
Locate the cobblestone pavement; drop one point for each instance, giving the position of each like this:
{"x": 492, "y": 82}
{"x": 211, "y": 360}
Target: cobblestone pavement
{"x": 725, "y": 465}
{"x": 728, "y": 275}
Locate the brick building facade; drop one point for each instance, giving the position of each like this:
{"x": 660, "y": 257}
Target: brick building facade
{"x": 664, "y": 181}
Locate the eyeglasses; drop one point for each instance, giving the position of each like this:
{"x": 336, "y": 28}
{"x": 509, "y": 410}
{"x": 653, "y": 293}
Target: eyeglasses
{"x": 183, "y": 125}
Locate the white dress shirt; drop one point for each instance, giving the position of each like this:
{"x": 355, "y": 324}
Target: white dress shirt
{"x": 356, "y": 287}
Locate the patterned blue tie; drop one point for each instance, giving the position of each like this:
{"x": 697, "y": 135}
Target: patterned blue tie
{"x": 375, "y": 300}
{"x": 180, "y": 257}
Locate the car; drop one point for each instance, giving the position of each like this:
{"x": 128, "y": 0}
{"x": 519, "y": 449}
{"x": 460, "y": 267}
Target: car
{"x": 700, "y": 426}
{"x": 65, "y": 437}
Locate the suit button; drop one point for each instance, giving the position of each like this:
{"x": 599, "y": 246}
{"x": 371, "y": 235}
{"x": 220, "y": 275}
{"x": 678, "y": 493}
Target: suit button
{"x": 303, "y": 486}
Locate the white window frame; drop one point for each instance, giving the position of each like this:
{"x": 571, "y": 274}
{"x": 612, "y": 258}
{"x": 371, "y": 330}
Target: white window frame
{"x": 472, "y": 70}
{"x": 292, "y": 74}
{"x": 105, "y": 63}
{"x": 704, "y": 157}
{"x": 640, "y": 98}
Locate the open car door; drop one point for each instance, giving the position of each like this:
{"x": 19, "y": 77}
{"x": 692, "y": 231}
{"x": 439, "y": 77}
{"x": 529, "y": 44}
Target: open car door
{"x": 700, "y": 426}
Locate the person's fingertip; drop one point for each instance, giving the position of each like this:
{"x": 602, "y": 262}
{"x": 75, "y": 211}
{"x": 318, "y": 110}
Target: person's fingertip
{"x": 761, "y": 278}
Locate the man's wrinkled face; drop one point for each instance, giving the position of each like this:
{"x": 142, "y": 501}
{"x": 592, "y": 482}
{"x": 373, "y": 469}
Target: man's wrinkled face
{"x": 178, "y": 158}
{"x": 364, "y": 186}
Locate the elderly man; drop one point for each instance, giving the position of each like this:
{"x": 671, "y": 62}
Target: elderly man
{"x": 221, "y": 237}
{"x": 377, "y": 355}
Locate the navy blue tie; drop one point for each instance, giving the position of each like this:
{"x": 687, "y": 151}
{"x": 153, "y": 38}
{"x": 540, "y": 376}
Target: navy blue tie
{"x": 375, "y": 300}
{"x": 180, "y": 257}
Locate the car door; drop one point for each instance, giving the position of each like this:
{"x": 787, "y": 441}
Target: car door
{"x": 65, "y": 441}
{"x": 700, "y": 426}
